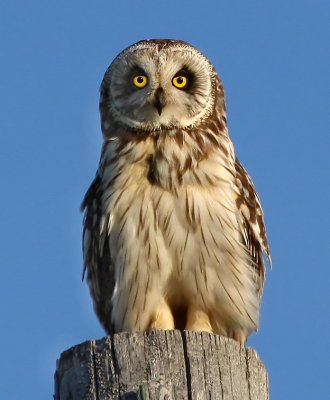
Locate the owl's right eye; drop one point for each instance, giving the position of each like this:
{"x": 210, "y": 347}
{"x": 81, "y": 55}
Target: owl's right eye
{"x": 140, "y": 81}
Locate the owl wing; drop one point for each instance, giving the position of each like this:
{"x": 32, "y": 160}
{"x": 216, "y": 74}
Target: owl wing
{"x": 254, "y": 231}
{"x": 97, "y": 258}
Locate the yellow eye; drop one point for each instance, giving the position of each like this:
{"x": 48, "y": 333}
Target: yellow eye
{"x": 180, "y": 81}
{"x": 140, "y": 81}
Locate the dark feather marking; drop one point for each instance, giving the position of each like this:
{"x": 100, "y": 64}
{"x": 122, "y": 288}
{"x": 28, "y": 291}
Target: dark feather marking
{"x": 231, "y": 299}
{"x": 210, "y": 214}
{"x": 232, "y": 227}
{"x": 135, "y": 297}
{"x": 210, "y": 181}
{"x": 157, "y": 257}
{"x": 185, "y": 243}
{"x": 200, "y": 292}
{"x": 137, "y": 269}
{"x": 124, "y": 314}
{"x": 245, "y": 309}
{"x": 187, "y": 208}
{"x": 220, "y": 222}
{"x": 170, "y": 179}
{"x": 122, "y": 227}
{"x": 234, "y": 266}
{"x": 197, "y": 155}
{"x": 179, "y": 138}
{"x": 215, "y": 256}
{"x": 141, "y": 219}
{"x": 225, "y": 207}
{"x": 120, "y": 149}
{"x": 224, "y": 151}
{"x": 119, "y": 155}
{"x": 110, "y": 161}
{"x": 146, "y": 291}
{"x": 146, "y": 237}
{"x": 155, "y": 219}
{"x": 193, "y": 221}
{"x": 181, "y": 264}
{"x": 139, "y": 158}
{"x": 198, "y": 139}
{"x": 229, "y": 226}
{"x": 197, "y": 177}
{"x": 124, "y": 185}
{"x": 113, "y": 179}
{"x": 158, "y": 201}
{"x": 125, "y": 212}
{"x": 171, "y": 239}
{"x": 199, "y": 219}
{"x": 225, "y": 236}
{"x": 239, "y": 281}
{"x": 177, "y": 169}
{"x": 212, "y": 139}
{"x": 123, "y": 190}
{"x": 106, "y": 199}
{"x": 212, "y": 236}
{"x": 232, "y": 256}
{"x": 204, "y": 241}
{"x": 167, "y": 220}
{"x": 137, "y": 318}
{"x": 179, "y": 178}
{"x": 91, "y": 193}
{"x": 152, "y": 172}
{"x": 176, "y": 161}
{"x": 187, "y": 165}
{"x": 123, "y": 267}
{"x": 202, "y": 267}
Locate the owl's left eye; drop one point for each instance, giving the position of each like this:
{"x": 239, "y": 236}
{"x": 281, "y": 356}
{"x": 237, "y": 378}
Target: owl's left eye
{"x": 140, "y": 81}
{"x": 180, "y": 81}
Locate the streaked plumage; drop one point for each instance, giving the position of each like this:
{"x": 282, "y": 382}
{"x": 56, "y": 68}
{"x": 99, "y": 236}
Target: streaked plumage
{"x": 173, "y": 231}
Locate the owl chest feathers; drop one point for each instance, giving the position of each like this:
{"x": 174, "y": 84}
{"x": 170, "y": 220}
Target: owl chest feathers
{"x": 148, "y": 171}
{"x": 172, "y": 217}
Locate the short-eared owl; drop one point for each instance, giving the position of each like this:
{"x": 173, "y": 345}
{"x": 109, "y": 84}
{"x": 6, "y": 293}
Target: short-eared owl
{"x": 173, "y": 231}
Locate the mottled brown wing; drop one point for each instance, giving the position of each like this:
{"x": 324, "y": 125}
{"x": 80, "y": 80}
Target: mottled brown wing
{"x": 97, "y": 259}
{"x": 254, "y": 234}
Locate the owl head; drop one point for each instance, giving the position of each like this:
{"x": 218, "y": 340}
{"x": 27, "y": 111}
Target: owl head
{"x": 158, "y": 85}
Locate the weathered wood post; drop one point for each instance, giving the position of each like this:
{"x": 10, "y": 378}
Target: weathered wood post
{"x": 171, "y": 365}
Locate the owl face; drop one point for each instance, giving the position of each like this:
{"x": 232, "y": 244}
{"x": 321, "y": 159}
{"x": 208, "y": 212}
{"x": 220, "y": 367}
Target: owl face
{"x": 159, "y": 84}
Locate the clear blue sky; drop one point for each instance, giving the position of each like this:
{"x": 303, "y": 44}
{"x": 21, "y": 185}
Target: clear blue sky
{"x": 274, "y": 60}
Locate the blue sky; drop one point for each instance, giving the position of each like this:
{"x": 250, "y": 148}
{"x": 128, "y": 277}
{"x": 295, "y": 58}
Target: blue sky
{"x": 273, "y": 58}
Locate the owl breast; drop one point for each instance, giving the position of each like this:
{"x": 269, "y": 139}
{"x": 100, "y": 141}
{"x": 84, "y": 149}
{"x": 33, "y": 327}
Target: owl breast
{"x": 175, "y": 240}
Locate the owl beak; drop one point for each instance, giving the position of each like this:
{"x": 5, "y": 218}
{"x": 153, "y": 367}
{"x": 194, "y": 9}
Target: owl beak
{"x": 159, "y": 100}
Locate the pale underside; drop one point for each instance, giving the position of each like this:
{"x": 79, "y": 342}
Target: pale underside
{"x": 177, "y": 253}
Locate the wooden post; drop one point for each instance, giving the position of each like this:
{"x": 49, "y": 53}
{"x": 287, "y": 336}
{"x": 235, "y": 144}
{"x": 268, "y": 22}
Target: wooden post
{"x": 161, "y": 365}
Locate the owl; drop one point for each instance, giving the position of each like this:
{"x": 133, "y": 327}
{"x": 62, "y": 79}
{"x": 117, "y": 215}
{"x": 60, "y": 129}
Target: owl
{"x": 174, "y": 236}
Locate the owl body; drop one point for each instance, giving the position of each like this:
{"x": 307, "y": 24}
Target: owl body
{"x": 173, "y": 231}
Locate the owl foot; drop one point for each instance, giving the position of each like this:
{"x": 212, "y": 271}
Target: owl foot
{"x": 198, "y": 320}
{"x": 163, "y": 318}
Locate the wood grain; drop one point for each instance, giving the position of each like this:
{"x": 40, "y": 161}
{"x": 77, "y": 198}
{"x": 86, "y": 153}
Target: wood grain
{"x": 162, "y": 365}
